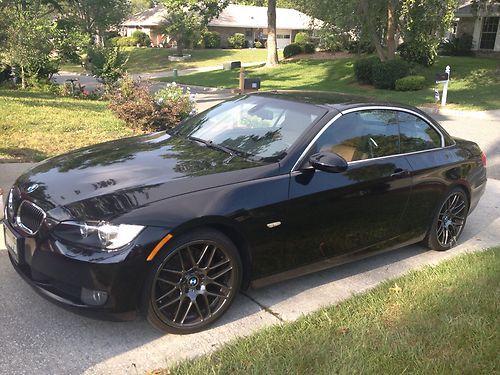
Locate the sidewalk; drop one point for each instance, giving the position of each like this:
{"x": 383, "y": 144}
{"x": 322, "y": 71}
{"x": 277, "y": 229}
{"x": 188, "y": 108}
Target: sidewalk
{"x": 91, "y": 83}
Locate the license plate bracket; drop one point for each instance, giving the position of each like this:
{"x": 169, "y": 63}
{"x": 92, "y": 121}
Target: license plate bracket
{"x": 14, "y": 243}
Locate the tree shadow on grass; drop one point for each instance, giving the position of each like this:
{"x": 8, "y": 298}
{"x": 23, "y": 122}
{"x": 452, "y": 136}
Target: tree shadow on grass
{"x": 21, "y": 154}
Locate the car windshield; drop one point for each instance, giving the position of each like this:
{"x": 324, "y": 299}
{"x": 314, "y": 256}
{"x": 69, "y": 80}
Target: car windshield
{"x": 255, "y": 126}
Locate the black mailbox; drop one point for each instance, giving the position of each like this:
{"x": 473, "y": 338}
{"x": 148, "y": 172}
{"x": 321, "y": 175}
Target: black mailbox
{"x": 441, "y": 77}
{"x": 231, "y": 65}
{"x": 251, "y": 84}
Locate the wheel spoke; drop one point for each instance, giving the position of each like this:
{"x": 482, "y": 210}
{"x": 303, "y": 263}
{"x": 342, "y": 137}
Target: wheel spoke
{"x": 205, "y": 249}
{"x": 205, "y": 298}
{"x": 191, "y": 259}
{"x": 171, "y": 271}
{"x": 187, "y": 312}
{"x": 219, "y": 264}
{"x": 182, "y": 261}
{"x": 212, "y": 254}
{"x": 223, "y": 272}
{"x": 170, "y": 303}
{"x": 178, "y": 309}
{"x": 167, "y": 294}
{"x": 198, "y": 309}
{"x": 212, "y": 281}
{"x": 167, "y": 281}
{"x": 217, "y": 295}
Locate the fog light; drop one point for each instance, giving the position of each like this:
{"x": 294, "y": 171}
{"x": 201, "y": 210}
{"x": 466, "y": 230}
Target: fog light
{"x": 93, "y": 297}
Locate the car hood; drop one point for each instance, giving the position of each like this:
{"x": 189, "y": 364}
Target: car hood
{"x": 102, "y": 181}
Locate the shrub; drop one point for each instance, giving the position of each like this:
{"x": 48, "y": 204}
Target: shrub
{"x": 459, "y": 46}
{"x": 385, "y": 74}
{"x": 333, "y": 41}
{"x": 211, "y": 39}
{"x": 259, "y": 44}
{"x": 122, "y": 41}
{"x": 133, "y": 103}
{"x": 309, "y": 48}
{"x": 141, "y": 38}
{"x": 360, "y": 46}
{"x": 302, "y": 38}
{"x": 292, "y": 50}
{"x": 363, "y": 69}
{"x": 106, "y": 63}
{"x": 237, "y": 40}
{"x": 410, "y": 83}
{"x": 423, "y": 52}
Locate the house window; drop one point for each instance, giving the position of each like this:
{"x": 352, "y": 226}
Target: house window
{"x": 489, "y": 32}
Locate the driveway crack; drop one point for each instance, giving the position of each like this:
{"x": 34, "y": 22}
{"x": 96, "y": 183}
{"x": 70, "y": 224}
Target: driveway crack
{"x": 263, "y": 307}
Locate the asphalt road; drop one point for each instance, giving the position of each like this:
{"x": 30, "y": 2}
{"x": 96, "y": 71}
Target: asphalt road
{"x": 38, "y": 337}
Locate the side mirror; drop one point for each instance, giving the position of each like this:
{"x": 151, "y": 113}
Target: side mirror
{"x": 328, "y": 162}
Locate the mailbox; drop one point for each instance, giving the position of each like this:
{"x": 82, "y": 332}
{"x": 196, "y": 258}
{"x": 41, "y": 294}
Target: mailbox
{"x": 440, "y": 77}
{"x": 231, "y": 65}
{"x": 251, "y": 84}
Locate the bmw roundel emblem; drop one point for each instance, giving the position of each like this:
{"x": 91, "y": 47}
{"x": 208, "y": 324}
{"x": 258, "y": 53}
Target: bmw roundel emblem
{"x": 32, "y": 188}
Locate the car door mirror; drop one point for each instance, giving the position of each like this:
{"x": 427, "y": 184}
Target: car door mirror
{"x": 328, "y": 162}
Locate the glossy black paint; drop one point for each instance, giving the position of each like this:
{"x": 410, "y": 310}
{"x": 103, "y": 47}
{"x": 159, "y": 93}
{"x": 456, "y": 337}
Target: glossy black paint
{"x": 172, "y": 185}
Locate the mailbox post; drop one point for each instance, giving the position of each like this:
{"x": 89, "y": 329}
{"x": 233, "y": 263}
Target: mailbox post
{"x": 444, "y": 78}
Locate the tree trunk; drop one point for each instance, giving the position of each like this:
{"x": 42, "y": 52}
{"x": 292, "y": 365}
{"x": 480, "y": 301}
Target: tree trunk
{"x": 180, "y": 46}
{"x": 272, "y": 47}
{"x": 23, "y": 78}
{"x": 371, "y": 30}
{"x": 391, "y": 30}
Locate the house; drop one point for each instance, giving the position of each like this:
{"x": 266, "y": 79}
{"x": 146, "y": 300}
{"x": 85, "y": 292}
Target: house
{"x": 482, "y": 23}
{"x": 246, "y": 19}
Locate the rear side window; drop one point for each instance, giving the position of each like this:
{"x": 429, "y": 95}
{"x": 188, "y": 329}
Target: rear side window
{"x": 416, "y": 134}
{"x": 362, "y": 135}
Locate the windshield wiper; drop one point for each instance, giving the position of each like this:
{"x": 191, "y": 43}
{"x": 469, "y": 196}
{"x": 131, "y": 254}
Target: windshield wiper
{"x": 213, "y": 145}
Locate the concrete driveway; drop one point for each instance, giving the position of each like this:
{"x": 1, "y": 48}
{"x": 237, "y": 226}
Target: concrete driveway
{"x": 39, "y": 337}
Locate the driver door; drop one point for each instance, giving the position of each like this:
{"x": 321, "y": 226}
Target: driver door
{"x": 334, "y": 214}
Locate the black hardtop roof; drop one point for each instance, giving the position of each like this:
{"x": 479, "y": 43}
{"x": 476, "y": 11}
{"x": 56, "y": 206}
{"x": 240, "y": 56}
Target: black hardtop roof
{"x": 330, "y": 100}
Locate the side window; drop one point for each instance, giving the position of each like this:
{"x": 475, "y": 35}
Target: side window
{"x": 416, "y": 134}
{"x": 362, "y": 135}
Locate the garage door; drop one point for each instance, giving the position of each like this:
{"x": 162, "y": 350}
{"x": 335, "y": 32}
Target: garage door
{"x": 283, "y": 38}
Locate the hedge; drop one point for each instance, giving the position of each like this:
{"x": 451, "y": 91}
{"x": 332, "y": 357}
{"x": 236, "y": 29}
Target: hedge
{"x": 363, "y": 69}
{"x": 292, "y": 50}
{"x": 385, "y": 74}
{"x": 410, "y": 83}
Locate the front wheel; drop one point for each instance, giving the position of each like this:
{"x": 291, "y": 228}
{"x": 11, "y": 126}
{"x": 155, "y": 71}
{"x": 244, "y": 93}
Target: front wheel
{"x": 193, "y": 283}
{"x": 449, "y": 221}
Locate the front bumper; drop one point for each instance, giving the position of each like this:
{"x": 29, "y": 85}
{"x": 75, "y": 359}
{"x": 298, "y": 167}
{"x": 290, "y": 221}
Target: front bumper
{"x": 65, "y": 274}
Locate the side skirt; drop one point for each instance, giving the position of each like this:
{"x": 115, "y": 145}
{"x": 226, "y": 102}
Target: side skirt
{"x": 329, "y": 263}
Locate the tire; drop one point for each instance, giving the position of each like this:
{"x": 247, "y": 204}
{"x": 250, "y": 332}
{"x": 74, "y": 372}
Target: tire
{"x": 449, "y": 221}
{"x": 193, "y": 282}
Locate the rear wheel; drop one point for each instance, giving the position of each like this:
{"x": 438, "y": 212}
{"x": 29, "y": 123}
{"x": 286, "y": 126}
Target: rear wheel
{"x": 449, "y": 221}
{"x": 194, "y": 283}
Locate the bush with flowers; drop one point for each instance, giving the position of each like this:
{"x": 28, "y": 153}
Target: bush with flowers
{"x": 132, "y": 102}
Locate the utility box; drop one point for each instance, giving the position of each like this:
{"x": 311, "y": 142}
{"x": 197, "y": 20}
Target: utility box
{"x": 252, "y": 84}
{"x": 229, "y": 65}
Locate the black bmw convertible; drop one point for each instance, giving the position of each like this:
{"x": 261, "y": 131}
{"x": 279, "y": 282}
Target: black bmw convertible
{"x": 257, "y": 189}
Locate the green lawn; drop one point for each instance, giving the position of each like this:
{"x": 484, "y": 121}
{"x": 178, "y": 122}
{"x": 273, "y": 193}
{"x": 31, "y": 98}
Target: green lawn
{"x": 439, "y": 320}
{"x": 36, "y": 125}
{"x": 143, "y": 60}
{"x": 475, "y": 81}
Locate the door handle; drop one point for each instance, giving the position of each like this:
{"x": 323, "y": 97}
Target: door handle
{"x": 400, "y": 172}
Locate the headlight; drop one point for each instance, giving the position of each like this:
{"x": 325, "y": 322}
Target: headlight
{"x": 102, "y": 235}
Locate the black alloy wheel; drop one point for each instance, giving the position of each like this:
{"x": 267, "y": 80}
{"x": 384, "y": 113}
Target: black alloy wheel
{"x": 194, "y": 283}
{"x": 449, "y": 221}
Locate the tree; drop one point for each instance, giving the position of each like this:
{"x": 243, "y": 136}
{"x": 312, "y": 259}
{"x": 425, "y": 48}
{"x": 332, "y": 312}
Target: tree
{"x": 97, "y": 16}
{"x": 137, "y": 6}
{"x": 28, "y": 40}
{"x": 186, "y": 19}
{"x": 423, "y": 24}
{"x": 272, "y": 47}
{"x": 379, "y": 20}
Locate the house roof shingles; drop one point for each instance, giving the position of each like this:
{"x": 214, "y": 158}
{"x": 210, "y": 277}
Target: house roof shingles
{"x": 235, "y": 16}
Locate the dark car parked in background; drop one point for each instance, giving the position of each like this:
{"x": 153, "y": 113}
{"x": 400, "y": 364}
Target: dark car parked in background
{"x": 259, "y": 188}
